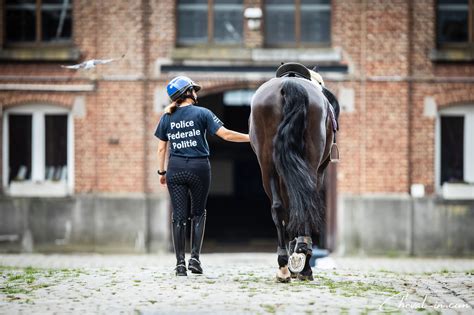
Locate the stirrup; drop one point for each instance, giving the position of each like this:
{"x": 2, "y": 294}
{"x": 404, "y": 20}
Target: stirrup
{"x": 334, "y": 153}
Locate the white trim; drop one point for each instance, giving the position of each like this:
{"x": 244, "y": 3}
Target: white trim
{"x": 5, "y": 171}
{"x": 438, "y": 188}
{"x": 450, "y": 190}
{"x": 38, "y": 186}
{"x": 70, "y": 154}
{"x": 37, "y": 147}
{"x": 42, "y": 108}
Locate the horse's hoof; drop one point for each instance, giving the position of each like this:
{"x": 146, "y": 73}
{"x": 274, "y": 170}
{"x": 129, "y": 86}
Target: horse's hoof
{"x": 283, "y": 280}
{"x": 294, "y": 275}
{"x": 296, "y": 262}
{"x": 305, "y": 277}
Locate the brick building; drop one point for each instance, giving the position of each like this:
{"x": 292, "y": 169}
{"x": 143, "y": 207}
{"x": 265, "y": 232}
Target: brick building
{"x": 78, "y": 150}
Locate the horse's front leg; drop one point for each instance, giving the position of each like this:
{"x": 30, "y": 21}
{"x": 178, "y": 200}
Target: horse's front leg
{"x": 280, "y": 218}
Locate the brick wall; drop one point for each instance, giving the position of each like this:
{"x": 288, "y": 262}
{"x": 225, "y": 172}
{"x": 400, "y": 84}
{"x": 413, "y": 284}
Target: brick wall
{"x": 390, "y": 78}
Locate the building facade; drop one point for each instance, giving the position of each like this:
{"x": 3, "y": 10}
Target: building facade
{"x": 78, "y": 151}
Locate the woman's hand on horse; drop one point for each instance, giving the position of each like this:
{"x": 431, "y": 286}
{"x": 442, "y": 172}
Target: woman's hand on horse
{"x": 233, "y": 136}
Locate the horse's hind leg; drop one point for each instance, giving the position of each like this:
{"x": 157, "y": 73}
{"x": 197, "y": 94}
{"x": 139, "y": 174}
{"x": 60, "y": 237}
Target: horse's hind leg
{"x": 304, "y": 245}
{"x": 280, "y": 219}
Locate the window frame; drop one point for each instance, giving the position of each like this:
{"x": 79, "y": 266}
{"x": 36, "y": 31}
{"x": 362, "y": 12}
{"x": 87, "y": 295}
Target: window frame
{"x": 38, "y": 186}
{"x": 465, "y": 110}
{"x": 38, "y": 30}
{"x": 298, "y": 43}
{"x": 210, "y": 29}
{"x": 470, "y": 25}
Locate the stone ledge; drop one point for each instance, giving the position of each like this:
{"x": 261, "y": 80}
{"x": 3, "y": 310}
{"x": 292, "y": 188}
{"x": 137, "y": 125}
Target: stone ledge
{"x": 69, "y": 53}
{"x": 258, "y": 55}
{"x": 452, "y": 54}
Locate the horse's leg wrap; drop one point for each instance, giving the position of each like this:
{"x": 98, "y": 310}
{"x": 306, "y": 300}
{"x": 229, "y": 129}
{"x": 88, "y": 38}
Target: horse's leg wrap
{"x": 304, "y": 244}
{"x": 302, "y": 253}
{"x": 282, "y": 257}
{"x": 292, "y": 245}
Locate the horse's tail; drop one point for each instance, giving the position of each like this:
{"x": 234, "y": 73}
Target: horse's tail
{"x": 289, "y": 151}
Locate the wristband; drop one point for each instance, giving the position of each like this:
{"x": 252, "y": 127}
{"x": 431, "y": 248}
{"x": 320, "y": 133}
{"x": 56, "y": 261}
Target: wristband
{"x": 161, "y": 172}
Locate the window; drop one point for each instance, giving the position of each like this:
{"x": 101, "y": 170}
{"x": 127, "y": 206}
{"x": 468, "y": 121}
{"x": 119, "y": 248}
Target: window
{"x": 37, "y": 151}
{"x": 453, "y": 20}
{"x": 297, "y": 22}
{"x": 455, "y": 142}
{"x": 38, "y": 21}
{"x": 210, "y": 21}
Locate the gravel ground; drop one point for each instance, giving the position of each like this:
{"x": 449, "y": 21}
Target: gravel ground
{"x": 241, "y": 283}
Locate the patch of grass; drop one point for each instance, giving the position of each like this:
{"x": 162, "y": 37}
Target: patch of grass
{"x": 353, "y": 288}
{"x": 14, "y": 290}
{"x": 26, "y": 280}
{"x": 269, "y": 308}
{"x": 152, "y": 301}
{"x": 470, "y": 272}
{"x": 344, "y": 310}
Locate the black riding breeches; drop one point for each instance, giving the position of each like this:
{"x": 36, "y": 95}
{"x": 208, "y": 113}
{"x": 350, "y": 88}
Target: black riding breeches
{"x": 188, "y": 177}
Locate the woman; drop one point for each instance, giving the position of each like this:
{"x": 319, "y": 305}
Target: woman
{"x": 184, "y": 126}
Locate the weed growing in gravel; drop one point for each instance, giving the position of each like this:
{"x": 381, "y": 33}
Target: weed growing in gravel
{"x": 269, "y": 308}
{"x": 353, "y": 288}
{"x": 16, "y": 281}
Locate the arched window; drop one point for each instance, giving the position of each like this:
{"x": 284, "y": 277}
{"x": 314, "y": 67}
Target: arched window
{"x": 38, "y": 151}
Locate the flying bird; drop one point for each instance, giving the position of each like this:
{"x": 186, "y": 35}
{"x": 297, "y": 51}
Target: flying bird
{"x": 89, "y": 64}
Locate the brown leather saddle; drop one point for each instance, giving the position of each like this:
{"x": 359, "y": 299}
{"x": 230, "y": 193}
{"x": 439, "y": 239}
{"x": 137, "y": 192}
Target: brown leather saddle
{"x": 293, "y": 69}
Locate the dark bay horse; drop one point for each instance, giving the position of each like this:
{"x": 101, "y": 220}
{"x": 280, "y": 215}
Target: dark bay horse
{"x": 291, "y": 132}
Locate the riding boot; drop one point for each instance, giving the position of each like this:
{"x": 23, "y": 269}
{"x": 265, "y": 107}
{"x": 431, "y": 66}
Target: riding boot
{"x": 198, "y": 224}
{"x": 179, "y": 239}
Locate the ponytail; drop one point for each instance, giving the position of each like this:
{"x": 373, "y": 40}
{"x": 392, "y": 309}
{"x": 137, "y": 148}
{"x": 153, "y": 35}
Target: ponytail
{"x": 171, "y": 108}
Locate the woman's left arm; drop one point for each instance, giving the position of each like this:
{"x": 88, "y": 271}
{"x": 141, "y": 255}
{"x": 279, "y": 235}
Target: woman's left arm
{"x": 233, "y": 136}
{"x": 162, "y": 149}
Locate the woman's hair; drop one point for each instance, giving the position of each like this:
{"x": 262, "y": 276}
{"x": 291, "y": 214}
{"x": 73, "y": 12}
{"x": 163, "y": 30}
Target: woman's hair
{"x": 170, "y": 109}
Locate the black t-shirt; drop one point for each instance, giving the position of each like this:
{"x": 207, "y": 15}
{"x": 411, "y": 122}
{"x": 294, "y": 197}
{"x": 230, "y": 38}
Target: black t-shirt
{"x": 186, "y": 128}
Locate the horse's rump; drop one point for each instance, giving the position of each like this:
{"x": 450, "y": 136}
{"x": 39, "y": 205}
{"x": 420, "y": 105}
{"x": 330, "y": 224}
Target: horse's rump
{"x": 288, "y": 134}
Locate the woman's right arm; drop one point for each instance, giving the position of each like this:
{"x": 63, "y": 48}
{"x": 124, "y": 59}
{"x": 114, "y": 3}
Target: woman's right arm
{"x": 232, "y": 136}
